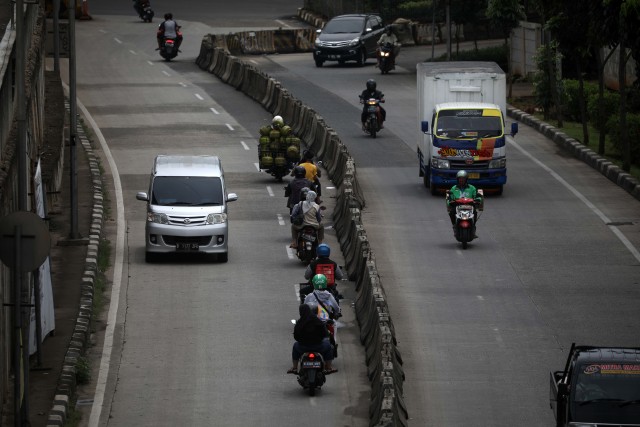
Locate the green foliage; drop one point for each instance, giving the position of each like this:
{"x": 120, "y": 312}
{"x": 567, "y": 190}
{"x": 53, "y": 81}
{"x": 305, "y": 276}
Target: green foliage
{"x": 571, "y": 90}
{"x": 83, "y": 371}
{"x": 541, "y": 79}
{"x": 610, "y": 106}
{"x": 505, "y": 14}
{"x": 633, "y": 132}
{"x": 416, "y": 10}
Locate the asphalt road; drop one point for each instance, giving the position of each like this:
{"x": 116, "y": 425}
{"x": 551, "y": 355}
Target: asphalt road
{"x": 479, "y": 330}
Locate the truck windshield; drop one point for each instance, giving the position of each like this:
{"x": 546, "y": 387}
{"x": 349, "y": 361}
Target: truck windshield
{"x": 483, "y": 123}
{"x": 607, "y": 392}
{"x": 187, "y": 191}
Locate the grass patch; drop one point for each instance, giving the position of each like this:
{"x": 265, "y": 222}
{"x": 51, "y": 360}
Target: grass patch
{"x": 100, "y": 281}
{"x": 83, "y": 370}
{"x": 73, "y": 417}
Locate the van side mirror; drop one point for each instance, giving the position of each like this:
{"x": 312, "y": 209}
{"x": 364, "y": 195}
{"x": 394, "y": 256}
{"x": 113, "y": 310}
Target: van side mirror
{"x": 424, "y": 126}
{"x": 142, "y": 196}
{"x": 514, "y": 128}
{"x": 232, "y": 197}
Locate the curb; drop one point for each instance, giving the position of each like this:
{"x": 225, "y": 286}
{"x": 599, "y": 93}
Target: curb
{"x": 67, "y": 383}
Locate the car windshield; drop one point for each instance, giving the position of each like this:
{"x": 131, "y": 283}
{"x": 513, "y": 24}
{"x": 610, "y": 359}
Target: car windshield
{"x": 187, "y": 191}
{"x": 338, "y": 26}
{"x": 468, "y": 124}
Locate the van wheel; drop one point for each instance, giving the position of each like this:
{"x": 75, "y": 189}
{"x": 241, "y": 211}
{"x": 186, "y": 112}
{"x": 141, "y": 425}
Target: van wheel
{"x": 362, "y": 58}
{"x": 433, "y": 189}
{"x": 150, "y": 257}
{"x": 223, "y": 257}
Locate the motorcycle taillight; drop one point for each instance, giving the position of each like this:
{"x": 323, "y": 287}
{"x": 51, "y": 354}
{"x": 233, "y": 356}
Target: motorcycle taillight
{"x": 312, "y": 356}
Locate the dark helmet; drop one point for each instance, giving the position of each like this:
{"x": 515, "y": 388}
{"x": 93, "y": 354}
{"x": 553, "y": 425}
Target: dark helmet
{"x": 307, "y": 155}
{"x": 168, "y": 16}
{"x": 303, "y": 192}
{"x": 388, "y": 29}
{"x": 371, "y": 85}
{"x": 299, "y": 172}
{"x": 323, "y": 250}
{"x": 462, "y": 177}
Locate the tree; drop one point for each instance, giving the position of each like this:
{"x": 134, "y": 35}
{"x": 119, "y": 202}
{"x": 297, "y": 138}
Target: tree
{"x": 506, "y": 15}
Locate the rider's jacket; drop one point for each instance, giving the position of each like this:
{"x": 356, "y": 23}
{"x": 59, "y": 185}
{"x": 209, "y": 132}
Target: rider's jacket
{"x": 469, "y": 191}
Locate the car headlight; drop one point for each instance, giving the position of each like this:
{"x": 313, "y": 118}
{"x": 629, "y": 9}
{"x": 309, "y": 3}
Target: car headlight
{"x": 440, "y": 163}
{"x": 354, "y": 42}
{"x": 498, "y": 163}
{"x": 319, "y": 43}
{"x": 158, "y": 218}
{"x": 219, "y": 218}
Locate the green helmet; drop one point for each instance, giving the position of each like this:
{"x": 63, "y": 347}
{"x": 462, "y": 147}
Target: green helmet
{"x": 319, "y": 281}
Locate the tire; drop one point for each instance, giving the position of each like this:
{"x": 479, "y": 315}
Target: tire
{"x": 319, "y": 63}
{"x": 433, "y": 189}
{"x": 425, "y": 180}
{"x": 312, "y": 390}
{"x": 362, "y": 58}
{"x": 465, "y": 237}
{"x": 150, "y": 257}
{"x": 223, "y": 257}
{"x": 500, "y": 190}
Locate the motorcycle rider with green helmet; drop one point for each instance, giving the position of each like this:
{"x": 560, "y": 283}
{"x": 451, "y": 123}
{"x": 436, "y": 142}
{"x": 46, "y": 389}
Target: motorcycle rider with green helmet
{"x": 323, "y": 297}
{"x": 462, "y": 190}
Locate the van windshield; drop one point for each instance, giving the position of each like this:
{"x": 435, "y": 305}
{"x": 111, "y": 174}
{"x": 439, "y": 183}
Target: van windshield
{"x": 339, "y": 26}
{"x": 187, "y": 191}
{"x": 469, "y": 124}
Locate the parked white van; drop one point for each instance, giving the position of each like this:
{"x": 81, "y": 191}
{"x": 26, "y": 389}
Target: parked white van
{"x": 187, "y": 207}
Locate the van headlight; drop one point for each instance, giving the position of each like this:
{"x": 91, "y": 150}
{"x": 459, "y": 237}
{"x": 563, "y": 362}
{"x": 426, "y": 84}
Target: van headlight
{"x": 439, "y": 163}
{"x": 158, "y": 218}
{"x": 498, "y": 163}
{"x": 218, "y": 218}
{"x": 354, "y": 42}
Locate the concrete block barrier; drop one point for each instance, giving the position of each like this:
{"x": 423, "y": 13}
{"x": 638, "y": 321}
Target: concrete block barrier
{"x": 377, "y": 333}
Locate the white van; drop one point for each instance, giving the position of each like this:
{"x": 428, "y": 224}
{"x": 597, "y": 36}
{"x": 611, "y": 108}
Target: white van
{"x": 187, "y": 207}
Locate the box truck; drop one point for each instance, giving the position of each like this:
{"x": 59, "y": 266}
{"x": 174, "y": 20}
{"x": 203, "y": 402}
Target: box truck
{"x": 465, "y": 102}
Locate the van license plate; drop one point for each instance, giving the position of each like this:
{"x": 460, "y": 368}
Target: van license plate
{"x": 474, "y": 175}
{"x": 185, "y": 246}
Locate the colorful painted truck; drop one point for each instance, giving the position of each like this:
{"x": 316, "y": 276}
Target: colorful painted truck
{"x": 465, "y": 103}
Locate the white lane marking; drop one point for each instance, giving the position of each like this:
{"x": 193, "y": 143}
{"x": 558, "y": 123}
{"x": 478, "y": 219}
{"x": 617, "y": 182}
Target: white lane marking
{"x": 166, "y": 73}
{"x": 183, "y": 84}
{"x": 632, "y": 249}
{"x": 291, "y": 254}
{"x": 270, "y": 190}
{"x": 330, "y": 188}
{"x": 133, "y": 52}
{"x": 214, "y": 110}
{"x": 229, "y": 126}
{"x": 199, "y": 96}
{"x": 103, "y": 31}
{"x": 257, "y": 165}
{"x": 117, "y": 40}
{"x": 480, "y": 297}
{"x": 498, "y": 336}
{"x": 296, "y": 289}
{"x": 150, "y": 63}
{"x": 107, "y": 348}
{"x": 244, "y": 145}
{"x": 280, "y": 219}
{"x": 282, "y": 23}
{"x": 254, "y": 61}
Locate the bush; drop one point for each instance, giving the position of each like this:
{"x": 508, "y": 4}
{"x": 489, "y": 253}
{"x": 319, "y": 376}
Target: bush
{"x": 571, "y": 98}
{"x": 633, "y": 127}
{"x": 611, "y": 105}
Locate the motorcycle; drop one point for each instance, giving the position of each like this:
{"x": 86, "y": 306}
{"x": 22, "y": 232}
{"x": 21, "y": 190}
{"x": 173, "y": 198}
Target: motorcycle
{"x": 373, "y": 121}
{"x": 307, "y": 244}
{"x": 169, "y": 50}
{"x": 386, "y": 59}
{"x": 331, "y": 322}
{"x": 466, "y": 213}
{"x": 311, "y": 372}
{"x": 144, "y": 11}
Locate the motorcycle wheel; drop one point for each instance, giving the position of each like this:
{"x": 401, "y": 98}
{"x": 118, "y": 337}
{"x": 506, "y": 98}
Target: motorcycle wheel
{"x": 372, "y": 127}
{"x": 465, "y": 237}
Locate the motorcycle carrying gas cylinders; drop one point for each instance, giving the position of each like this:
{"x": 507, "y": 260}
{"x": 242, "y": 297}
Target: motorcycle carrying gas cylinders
{"x": 143, "y": 8}
{"x": 279, "y": 150}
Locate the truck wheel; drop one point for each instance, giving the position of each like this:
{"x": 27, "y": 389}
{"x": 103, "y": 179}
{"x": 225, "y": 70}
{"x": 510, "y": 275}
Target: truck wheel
{"x": 426, "y": 180}
{"x": 433, "y": 189}
{"x": 500, "y": 190}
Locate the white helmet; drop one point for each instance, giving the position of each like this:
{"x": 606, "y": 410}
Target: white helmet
{"x": 277, "y": 121}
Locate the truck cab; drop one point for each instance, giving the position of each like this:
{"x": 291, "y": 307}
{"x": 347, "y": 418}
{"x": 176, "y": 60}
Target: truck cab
{"x": 600, "y": 386}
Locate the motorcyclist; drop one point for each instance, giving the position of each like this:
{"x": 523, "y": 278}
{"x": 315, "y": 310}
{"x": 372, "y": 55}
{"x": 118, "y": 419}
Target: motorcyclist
{"x": 460, "y": 190}
{"x": 311, "y": 334}
{"x": 326, "y": 266}
{"x": 312, "y": 172}
{"x": 139, "y": 6}
{"x": 292, "y": 189}
{"x": 322, "y": 297}
{"x": 169, "y": 29}
{"x": 371, "y": 92}
{"x": 310, "y": 211}
{"x": 389, "y": 37}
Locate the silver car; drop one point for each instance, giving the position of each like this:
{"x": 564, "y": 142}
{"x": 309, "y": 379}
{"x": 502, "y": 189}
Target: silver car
{"x": 187, "y": 207}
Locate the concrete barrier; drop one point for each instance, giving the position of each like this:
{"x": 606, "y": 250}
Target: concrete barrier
{"x": 377, "y": 334}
